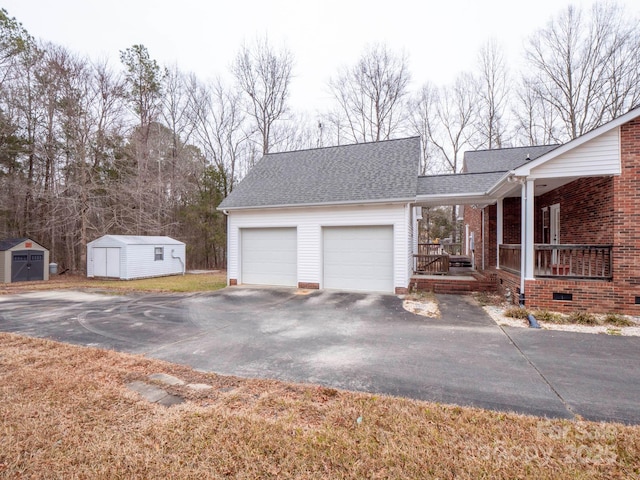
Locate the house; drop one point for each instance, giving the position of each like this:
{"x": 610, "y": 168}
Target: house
{"x": 556, "y": 226}
{"x": 336, "y": 217}
{"x": 560, "y": 228}
{"x": 127, "y": 257}
{"x": 23, "y": 260}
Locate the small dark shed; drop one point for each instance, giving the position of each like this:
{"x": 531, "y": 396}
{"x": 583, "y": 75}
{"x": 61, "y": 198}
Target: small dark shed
{"x": 23, "y": 260}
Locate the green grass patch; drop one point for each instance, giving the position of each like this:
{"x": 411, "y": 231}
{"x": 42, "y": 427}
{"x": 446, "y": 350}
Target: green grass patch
{"x": 175, "y": 283}
{"x": 204, "y": 282}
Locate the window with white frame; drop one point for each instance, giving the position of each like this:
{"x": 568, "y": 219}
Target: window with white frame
{"x": 158, "y": 253}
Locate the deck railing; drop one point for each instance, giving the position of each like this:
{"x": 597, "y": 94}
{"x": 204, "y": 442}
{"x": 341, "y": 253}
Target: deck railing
{"x": 431, "y": 264}
{"x": 439, "y": 248}
{"x": 566, "y": 261}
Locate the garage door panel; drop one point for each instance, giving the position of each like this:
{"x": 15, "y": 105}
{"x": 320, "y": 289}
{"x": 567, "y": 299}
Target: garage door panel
{"x": 358, "y": 258}
{"x": 269, "y": 256}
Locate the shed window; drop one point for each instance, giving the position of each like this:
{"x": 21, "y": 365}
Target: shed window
{"x": 159, "y": 253}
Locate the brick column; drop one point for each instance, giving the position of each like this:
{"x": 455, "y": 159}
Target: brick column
{"x": 626, "y": 222}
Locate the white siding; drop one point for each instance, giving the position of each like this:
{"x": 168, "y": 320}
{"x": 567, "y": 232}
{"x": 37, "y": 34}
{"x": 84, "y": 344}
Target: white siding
{"x": 138, "y": 260}
{"x": 309, "y": 222}
{"x": 598, "y": 156}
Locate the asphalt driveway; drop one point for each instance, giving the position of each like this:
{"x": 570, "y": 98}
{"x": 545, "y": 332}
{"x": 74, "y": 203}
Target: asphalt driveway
{"x": 355, "y": 341}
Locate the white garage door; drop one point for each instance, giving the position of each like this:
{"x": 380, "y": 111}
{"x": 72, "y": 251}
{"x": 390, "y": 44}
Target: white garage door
{"x": 358, "y": 258}
{"x": 106, "y": 262}
{"x": 269, "y": 256}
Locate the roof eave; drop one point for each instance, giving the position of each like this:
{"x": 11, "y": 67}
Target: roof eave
{"x": 470, "y": 198}
{"x": 321, "y": 204}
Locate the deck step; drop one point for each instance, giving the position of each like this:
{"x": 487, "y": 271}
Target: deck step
{"x": 459, "y": 261}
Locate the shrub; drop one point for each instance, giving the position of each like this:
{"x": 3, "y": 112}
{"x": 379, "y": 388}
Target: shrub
{"x": 550, "y": 317}
{"x": 618, "y": 320}
{"x": 583, "y": 318}
{"x": 516, "y": 312}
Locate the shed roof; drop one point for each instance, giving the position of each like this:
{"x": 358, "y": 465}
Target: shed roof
{"x": 141, "y": 240}
{"x": 363, "y": 172}
{"x": 502, "y": 159}
{"x": 12, "y": 242}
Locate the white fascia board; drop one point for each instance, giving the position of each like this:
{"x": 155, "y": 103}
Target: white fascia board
{"x": 456, "y": 199}
{"x": 402, "y": 201}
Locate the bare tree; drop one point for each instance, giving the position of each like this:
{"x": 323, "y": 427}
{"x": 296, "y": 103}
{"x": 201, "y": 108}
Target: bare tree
{"x": 535, "y": 120}
{"x": 493, "y": 95}
{"x": 370, "y": 94}
{"x": 585, "y": 65}
{"x": 264, "y": 75}
{"x": 219, "y": 129}
{"x": 453, "y": 128}
{"x": 423, "y": 124}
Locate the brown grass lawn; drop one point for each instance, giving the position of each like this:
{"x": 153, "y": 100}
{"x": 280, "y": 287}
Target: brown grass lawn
{"x": 65, "y": 412}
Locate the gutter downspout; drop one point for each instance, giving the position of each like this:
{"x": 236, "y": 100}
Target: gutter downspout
{"x": 482, "y": 229}
{"x": 179, "y": 258}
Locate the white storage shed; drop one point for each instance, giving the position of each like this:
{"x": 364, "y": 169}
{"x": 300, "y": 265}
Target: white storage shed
{"x": 135, "y": 256}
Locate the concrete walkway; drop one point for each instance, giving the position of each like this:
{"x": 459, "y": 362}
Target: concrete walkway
{"x": 354, "y": 341}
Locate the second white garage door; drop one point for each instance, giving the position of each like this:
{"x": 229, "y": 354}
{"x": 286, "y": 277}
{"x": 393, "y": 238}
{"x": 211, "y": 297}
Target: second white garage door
{"x": 269, "y": 256}
{"x": 358, "y": 258}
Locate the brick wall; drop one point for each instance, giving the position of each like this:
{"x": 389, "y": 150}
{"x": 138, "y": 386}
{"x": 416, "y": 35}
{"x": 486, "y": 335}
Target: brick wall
{"x": 473, "y": 218}
{"x": 626, "y": 218}
{"x": 511, "y": 220}
{"x": 509, "y": 282}
{"x": 584, "y": 202}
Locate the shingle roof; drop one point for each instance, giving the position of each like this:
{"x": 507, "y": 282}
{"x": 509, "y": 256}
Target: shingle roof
{"x": 459, "y": 183}
{"x": 503, "y": 159}
{"x": 10, "y": 243}
{"x": 367, "y": 172}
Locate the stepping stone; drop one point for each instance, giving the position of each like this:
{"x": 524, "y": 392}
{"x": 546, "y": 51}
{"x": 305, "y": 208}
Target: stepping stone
{"x": 154, "y": 394}
{"x": 166, "y": 379}
{"x": 199, "y": 386}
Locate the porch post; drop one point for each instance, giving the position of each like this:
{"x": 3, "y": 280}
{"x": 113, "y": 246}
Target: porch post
{"x": 523, "y": 236}
{"x": 529, "y": 239}
{"x": 499, "y": 230}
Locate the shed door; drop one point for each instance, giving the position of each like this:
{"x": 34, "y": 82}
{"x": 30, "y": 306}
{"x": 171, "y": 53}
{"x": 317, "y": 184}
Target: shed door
{"x": 27, "y": 265}
{"x": 358, "y": 258}
{"x": 270, "y": 256}
{"x": 106, "y": 262}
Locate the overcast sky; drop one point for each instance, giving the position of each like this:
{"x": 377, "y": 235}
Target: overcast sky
{"x": 441, "y": 38}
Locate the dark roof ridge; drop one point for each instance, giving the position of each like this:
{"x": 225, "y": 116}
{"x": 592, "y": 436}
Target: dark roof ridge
{"x": 461, "y": 173}
{"x": 346, "y": 145}
{"x": 515, "y": 148}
